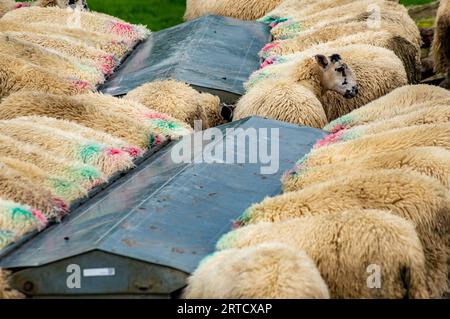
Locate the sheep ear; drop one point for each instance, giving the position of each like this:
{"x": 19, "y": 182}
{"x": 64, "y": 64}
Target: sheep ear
{"x": 322, "y": 60}
{"x": 227, "y": 112}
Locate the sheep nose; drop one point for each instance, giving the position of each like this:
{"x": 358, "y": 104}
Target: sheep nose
{"x": 355, "y": 89}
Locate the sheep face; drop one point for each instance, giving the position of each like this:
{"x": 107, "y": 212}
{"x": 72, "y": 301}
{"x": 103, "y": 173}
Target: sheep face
{"x": 337, "y": 76}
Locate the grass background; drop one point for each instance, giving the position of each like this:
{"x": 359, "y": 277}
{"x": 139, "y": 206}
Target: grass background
{"x": 159, "y": 14}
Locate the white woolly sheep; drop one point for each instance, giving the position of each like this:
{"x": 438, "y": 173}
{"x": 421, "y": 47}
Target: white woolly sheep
{"x": 404, "y": 49}
{"x": 90, "y": 21}
{"x": 18, "y": 74}
{"x": 431, "y": 161}
{"x": 86, "y": 132}
{"x": 344, "y": 246}
{"x": 269, "y": 270}
{"x": 6, "y": 5}
{"x": 85, "y": 175}
{"x": 61, "y": 187}
{"x": 5, "y": 290}
{"x": 418, "y": 115}
{"x": 440, "y": 47}
{"x": 377, "y": 70}
{"x": 244, "y": 10}
{"x": 180, "y": 101}
{"x": 416, "y": 197}
{"x": 73, "y": 147}
{"x": 390, "y": 105}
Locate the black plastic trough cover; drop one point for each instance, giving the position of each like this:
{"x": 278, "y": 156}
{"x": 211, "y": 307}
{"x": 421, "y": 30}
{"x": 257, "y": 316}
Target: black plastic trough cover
{"x": 148, "y": 231}
{"x": 212, "y": 53}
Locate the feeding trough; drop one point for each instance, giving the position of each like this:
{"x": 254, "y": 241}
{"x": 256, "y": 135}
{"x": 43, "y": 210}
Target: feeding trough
{"x": 145, "y": 234}
{"x": 214, "y": 54}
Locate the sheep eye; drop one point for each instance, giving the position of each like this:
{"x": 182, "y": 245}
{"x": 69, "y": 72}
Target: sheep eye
{"x": 340, "y": 69}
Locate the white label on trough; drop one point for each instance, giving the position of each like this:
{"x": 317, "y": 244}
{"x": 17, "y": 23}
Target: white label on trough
{"x": 99, "y": 272}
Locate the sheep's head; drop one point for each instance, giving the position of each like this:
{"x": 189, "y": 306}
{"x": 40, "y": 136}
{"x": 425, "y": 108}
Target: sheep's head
{"x": 337, "y": 76}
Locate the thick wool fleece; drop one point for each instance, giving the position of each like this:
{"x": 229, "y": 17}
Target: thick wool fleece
{"x": 431, "y": 161}
{"x": 85, "y": 175}
{"x": 345, "y": 245}
{"x": 389, "y": 141}
{"x": 82, "y": 110}
{"x": 180, "y": 101}
{"x": 390, "y": 105}
{"x": 283, "y": 100}
{"x": 266, "y": 271}
{"x": 441, "y": 45}
{"x": 435, "y": 114}
{"x": 69, "y": 146}
{"x": 378, "y": 71}
{"x": 6, "y": 5}
{"x": 240, "y": 9}
{"x": 418, "y": 198}
{"x": 18, "y": 75}
{"x": 89, "y": 57}
{"x": 67, "y": 190}
{"x": 106, "y": 42}
{"x": 56, "y": 63}
{"x": 296, "y": 24}
{"x": 404, "y": 49}
{"x": 86, "y": 132}
{"x": 5, "y": 290}
{"x": 90, "y": 21}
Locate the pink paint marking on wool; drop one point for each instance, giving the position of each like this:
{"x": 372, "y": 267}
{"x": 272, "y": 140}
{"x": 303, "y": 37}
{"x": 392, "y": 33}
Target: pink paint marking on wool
{"x": 108, "y": 64}
{"x": 156, "y": 116}
{"x": 270, "y": 46}
{"x": 61, "y": 206}
{"x": 121, "y": 28}
{"x": 114, "y": 151}
{"x": 83, "y": 85}
{"x": 22, "y": 5}
{"x": 267, "y": 62}
{"x": 338, "y": 128}
{"x": 329, "y": 139}
{"x": 133, "y": 151}
{"x": 236, "y": 224}
{"x": 41, "y": 217}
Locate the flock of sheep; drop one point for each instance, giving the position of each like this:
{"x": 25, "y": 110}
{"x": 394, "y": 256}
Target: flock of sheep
{"x": 371, "y": 196}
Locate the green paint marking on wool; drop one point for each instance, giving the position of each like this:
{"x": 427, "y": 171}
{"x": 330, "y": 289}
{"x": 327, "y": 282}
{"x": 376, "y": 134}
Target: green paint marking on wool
{"x": 20, "y": 212}
{"x": 165, "y": 124}
{"x": 88, "y": 172}
{"x": 258, "y": 77}
{"x": 88, "y": 151}
{"x": 61, "y": 186}
{"x": 351, "y": 135}
{"x": 290, "y": 30}
{"x": 267, "y": 19}
{"x": 302, "y": 160}
{"x": 151, "y": 140}
{"x": 339, "y": 121}
{"x": 87, "y": 68}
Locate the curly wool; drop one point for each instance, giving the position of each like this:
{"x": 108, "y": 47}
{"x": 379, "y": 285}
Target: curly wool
{"x": 266, "y": 271}
{"x": 413, "y": 196}
{"x": 397, "y": 102}
{"x": 180, "y": 101}
{"x": 5, "y": 290}
{"x": 344, "y": 245}
{"x": 440, "y": 48}
{"x": 430, "y": 161}
{"x": 5, "y": 6}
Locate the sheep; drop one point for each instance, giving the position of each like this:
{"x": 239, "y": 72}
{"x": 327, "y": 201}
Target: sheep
{"x": 46, "y": 59}
{"x": 378, "y": 71}
{"x": 86, "y": 132}
{"x": 405, "y": 50}
{"x": 418, "y": 115}
{"x": 344, "y": 246}
{"x": 84, "y": 111}
{"x": 392, "y": 104}
{"x": 90, "y": 21}
{"x": 69, "y": 36}
{"x": 440, "y": 47}
{"x": 18, "y": 74}
{"x": 180, "y": 101}
{"x": 60, "y": 3}
{"x": 86, "y": 55}
{"x": 16, "y": 220}
{"x": 266, "y": 271}
{"x": 61, "y": 187}
{"x": 413, "y": 196}
{"x": 244, "y": 10}
{"x": 5, "y": 290}
{"x": 431, "y": 161}
{"x": 67, "y": 145}
{"x": 6, "y": 5}
{"x": 82, "y": 174}
{"x": 293, "y": 26}
{"x": 18, "y": 188}
{"x": 389, "y": 141}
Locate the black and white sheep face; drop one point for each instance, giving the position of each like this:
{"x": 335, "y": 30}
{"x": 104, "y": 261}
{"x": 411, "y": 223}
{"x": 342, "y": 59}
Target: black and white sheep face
{"x": 337, "y": 76}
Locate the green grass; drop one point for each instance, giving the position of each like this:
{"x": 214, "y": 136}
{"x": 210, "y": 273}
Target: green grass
{"x": 414, "y": 2}
{"x": 155, "y": 14}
